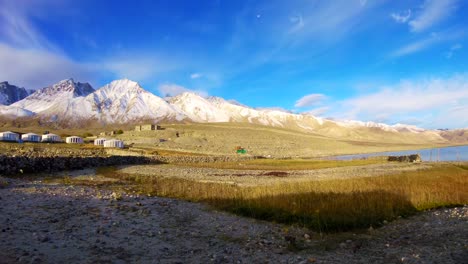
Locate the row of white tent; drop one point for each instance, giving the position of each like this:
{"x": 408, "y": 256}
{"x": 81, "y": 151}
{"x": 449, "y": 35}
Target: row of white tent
{"x": 53, "y": 138}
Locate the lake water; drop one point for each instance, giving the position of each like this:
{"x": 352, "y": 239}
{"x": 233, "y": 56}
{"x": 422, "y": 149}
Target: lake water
{"x": 459, "y": 153}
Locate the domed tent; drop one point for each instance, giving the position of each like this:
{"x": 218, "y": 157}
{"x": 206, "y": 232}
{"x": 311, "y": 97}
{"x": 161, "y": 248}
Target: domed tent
{"x": 113, "y": 143}
{"x": 9, "y": 136}
{"x": 74, "y": 140}
{"x": 31, "y": 137}
{"x": 99, "y": 141}
{"x": 51, "y": 138}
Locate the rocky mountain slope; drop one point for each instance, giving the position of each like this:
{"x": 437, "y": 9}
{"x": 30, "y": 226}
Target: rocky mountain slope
{"x": 10, "y": 94}
{"x": 54, "y": 98}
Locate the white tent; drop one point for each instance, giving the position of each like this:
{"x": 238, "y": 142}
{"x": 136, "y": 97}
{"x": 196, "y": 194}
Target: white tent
{"x": 31, "y": 137}
{"x": 51, "y": 138}
{"x": 74, "y": 140}
{"x": 9, "y": 136}
{"x": 113, "y": 143}
{"x": 99, "y": 141}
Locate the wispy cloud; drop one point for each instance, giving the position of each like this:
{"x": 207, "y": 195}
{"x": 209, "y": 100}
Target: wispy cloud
{"x": 309, "y": 100}
{"x": 138, "y": 65}
{"x": 432, "y": 12}
{"x": 171, "y": 89}
{"x": 320, "y": 111}
{"x": 415, "y": 46}
{"x": 195, "y": 75}
{"x": 297, "y": 23}
{"x": 411, "y": 98}
{"x": 16, "y": 28}
{"x": 449, "y": 54}
{"x": 401, "y": 17}
{"x": 425, "y": 43}
{"x": 28, "y": 58}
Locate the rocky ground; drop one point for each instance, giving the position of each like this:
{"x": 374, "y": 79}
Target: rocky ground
{"x": 246, "y": 177}
{"x": 54, "y": 223}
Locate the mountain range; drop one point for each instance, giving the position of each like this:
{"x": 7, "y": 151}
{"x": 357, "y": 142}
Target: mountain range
{"x": 124, "y": 102}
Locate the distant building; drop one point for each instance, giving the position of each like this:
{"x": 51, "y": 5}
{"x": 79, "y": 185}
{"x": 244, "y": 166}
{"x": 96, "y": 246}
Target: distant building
{"x": 114, "y": 143}
{"x": 99, "y": 141}
{"x": 74, "y": 140}
{"x": 110, "y": 133}
{"x": 31, "y": 137}
{"x": 147, "y": 127}
{"x": 9, "y": 136}
{"x": 51, "y": 138}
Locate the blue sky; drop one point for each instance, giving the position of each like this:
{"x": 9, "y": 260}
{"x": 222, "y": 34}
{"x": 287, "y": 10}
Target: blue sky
{"x": 382, "y": 61}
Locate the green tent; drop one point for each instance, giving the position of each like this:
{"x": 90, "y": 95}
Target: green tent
{"x": 241, "y": 151}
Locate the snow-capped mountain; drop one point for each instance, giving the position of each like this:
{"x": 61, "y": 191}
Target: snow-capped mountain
{"x": 56, "y": 97}
{"x": 385, "y": 127}
{"x": 10, "y": 94}
{"x": 198, "y": 109}
{"x": 125, "y": 101}
{"x": 12, "y": 111}
{"x": 216, "y": 109}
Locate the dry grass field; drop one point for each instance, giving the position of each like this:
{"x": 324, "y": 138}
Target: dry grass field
{"x": 223, "y": 138}
{"x": 325, "y": 195}
{"x": 327, "y": 205}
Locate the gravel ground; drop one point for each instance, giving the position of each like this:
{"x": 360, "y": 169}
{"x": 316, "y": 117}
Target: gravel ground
{"x": 243, "y": 177}
{"x": 53, "y": 223}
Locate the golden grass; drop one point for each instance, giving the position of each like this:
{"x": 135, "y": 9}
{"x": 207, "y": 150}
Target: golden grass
{"x": 330, "y": 205}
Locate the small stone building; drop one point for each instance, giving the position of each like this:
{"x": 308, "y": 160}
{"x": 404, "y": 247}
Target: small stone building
{"x": 31, "y": 137}
{"x": 9, "y": 136}
{"x": 74, "y": 140}
{"x": 99, "y": 141}
{"x": 114, "y": 143}
{"x": 52, "y": 138}
{"x": 147, "y": 127}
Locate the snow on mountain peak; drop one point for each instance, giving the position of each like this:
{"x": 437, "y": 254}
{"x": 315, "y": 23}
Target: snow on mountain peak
{"x": 67, "y": 87}
{"x": 198, "y": 108}
{"x": 396, "y": 128}
{"x": 123, "y": 86}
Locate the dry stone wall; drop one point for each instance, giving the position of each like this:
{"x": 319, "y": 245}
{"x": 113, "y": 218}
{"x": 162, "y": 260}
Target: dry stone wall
{"x": 27, "y": 159}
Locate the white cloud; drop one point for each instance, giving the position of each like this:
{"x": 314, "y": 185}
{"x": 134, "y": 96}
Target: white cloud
{"x": 433, "y": 12}
{"x": 170, "y": 89}
{"x": 28, "y": 58}
{"x": 33, "y": 68}
{"x": 412, "y": 99}
{"x": 195, "y": 75}
{"x": 309, "y": 100}
{"x": 401, "y": 17}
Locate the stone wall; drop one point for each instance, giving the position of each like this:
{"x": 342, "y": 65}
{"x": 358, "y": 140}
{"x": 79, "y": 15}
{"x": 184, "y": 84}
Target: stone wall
{"x": 11, "y": 165}
{"x": 16, "y": 159}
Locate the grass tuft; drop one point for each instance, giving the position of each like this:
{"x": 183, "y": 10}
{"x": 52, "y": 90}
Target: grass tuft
{"x": 326, "y": 205}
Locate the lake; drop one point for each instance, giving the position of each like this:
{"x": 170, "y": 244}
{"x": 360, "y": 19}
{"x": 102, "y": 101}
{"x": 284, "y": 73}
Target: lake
{"x": 459, "y": 153}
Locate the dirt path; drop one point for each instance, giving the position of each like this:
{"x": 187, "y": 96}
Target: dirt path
{"x": 53, "y": 223}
